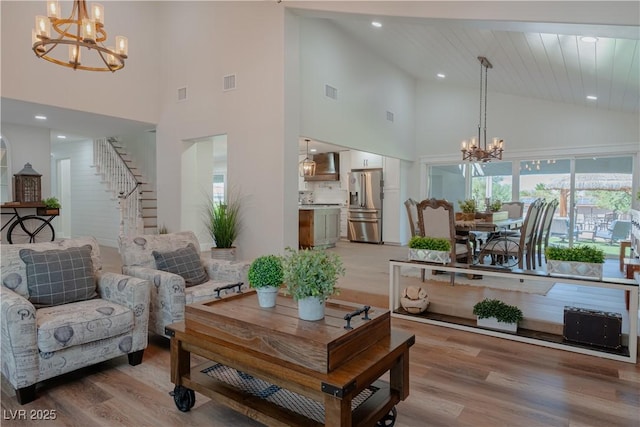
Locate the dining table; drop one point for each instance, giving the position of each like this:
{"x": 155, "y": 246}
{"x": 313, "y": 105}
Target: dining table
{"x": 481, "y": 230}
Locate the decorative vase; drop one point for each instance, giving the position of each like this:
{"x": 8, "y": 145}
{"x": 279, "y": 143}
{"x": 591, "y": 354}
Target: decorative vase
{"x": 227, "y": 254}
{"x": 428, "y": 255}
{"x": 267, "y": 296}
{"x": 311, "y": 308}
{"x": 492, "y": 323}
{"x": 575, "y": 269}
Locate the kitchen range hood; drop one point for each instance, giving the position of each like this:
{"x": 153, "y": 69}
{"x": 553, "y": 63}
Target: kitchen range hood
{"x": 327, "y": 167}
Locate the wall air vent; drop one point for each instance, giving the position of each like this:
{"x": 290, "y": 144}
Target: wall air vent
{"x": 182, "y": 94}
{"x": 330, "y": 92}
{"x": 390, "y": 116}
{"x": 229, "y": 82}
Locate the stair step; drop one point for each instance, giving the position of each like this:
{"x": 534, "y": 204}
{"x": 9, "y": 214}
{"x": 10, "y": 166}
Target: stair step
{"x": 149, "y": 216}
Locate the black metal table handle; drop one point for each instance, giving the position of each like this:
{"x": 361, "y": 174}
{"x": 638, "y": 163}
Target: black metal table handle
{"x": 224, "y": 288}
{"x": 349, "y": 316}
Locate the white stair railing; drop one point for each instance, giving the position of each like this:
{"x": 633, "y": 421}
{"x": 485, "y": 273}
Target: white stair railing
{"x": 122, "y": 183}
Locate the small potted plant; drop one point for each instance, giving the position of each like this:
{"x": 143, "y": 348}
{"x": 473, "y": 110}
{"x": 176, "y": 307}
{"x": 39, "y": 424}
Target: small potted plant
{"x": 222, "y": 220}
{"x": 430, "y": 249}
{"x": 578, "y": 261}
{"x": 469, "y": 207}
{"x": 51, "y": 207}
{"x": 495, "y": 205}
{"x": 310, "y": 276}
{"x": 265, "y": 275}
{"x": 495, "y": 314}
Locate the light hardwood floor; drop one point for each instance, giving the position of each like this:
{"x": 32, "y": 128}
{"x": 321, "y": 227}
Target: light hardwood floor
{"x": 457, "y": 378}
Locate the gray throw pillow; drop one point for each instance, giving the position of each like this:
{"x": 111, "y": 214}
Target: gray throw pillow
{"x": 59, "y": 276}
{"x": 184, "y": 262}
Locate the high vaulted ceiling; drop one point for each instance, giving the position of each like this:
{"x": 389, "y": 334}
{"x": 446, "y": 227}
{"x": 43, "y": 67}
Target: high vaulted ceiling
{"x": 536, "y": 60}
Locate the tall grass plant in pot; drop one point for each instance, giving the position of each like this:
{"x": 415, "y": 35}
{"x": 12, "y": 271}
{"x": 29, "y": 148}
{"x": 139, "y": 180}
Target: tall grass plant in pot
{"x": 222, "y": 220}
{"x": 310, "y": 276}
{"x": 265, "y": 275}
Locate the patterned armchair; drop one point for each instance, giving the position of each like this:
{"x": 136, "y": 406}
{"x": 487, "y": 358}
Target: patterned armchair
{"x": 193, "y": 278}
{"x": 61, "y": 312}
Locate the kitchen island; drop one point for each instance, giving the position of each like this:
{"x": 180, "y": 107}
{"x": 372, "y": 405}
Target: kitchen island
{"x": 318, "y": 226}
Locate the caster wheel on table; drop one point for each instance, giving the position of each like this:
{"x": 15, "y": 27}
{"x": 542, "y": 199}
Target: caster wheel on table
{"x": 184, "y": 398}
{"x": 389, "y": 419}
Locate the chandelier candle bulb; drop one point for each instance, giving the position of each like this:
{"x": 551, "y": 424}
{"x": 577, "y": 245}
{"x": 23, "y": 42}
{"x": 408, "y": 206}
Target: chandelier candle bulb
{"x": 74, "y": 55}
{"x": 122, "y": 46}
{"x": 88, "y": 30}
{"x": 34, "y": 40}
{"x": 111, "y": 60}
{"x": 43, "y": 27}
{"x": 53, "y": 9}
{"x": 97, "y": 13}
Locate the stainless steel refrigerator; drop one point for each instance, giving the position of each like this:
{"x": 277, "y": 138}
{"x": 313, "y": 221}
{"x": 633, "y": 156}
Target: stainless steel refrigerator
{"x": 365, "y": 206}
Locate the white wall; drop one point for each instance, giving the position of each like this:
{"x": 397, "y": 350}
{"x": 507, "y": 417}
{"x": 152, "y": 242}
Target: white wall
{"x": 446, "y": 115}
{"x": 208, "y": 41}
{"x": 130, "y": 93}
{"x": 29, "y": 145}
{"x": 367, "y": 87}
{"x": 93, "y": 210}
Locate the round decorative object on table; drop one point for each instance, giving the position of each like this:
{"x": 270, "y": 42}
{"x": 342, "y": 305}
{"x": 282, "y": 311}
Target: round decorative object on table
{"x": 414, "y": 299}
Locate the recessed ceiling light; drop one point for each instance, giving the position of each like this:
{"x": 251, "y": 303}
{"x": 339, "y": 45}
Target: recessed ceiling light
{"x": 313, "y": 150}
{"x": 592, "y": 97}
{"x": 589, "y": 39}
{"x": 376, "y": 24}
{"x": 440, "y": 76}
{"x": 40, "y": 117}
{"x": 62, "y": 137}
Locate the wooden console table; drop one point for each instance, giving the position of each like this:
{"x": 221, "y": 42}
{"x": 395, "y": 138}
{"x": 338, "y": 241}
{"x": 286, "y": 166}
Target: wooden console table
{"x": 319, "y": 362}
{"x": 630, "y": 287}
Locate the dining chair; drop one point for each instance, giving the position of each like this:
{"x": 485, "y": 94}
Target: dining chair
{"x": 515, "y": 210}
{"x": 542, "y": 239}
{"x": 436, "y": 218}
{"x": 521, "y": 247}
{"x": 412, "y": 214}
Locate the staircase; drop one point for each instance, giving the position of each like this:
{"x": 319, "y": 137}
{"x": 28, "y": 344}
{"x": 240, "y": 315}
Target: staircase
{"x": 136, "y": 199}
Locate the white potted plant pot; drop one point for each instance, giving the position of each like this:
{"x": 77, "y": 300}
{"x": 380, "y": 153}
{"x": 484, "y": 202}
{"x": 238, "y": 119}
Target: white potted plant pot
{"x": 492, "y": 323}
{"x": 311, "y": 308}
{"x": 267, "y": 296}
{"x": 574, "y": 269}
{"x": 428, "y": 255}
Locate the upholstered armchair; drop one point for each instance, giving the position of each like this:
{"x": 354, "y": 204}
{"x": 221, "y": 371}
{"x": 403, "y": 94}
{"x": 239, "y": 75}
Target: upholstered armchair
{"x": 178, "y": 272}
{"x": 60, "y": 312}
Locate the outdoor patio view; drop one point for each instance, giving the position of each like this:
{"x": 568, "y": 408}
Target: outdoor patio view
{"x": 594, "y": 200}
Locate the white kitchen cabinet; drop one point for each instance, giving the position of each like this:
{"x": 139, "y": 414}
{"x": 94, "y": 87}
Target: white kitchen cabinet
{"x": 344, "y": 212}
{"x": 364, "y": 160}
{"x": 345, "y": 168}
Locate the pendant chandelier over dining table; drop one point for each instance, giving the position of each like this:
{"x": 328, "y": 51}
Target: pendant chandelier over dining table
{"x": 80, "y": 31}
{"x": 476, "y": 149}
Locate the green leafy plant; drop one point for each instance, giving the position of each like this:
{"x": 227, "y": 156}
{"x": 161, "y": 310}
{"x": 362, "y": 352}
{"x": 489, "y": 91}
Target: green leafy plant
{"x": 52, "y": 203}
{"x": 430, "y": 243}
{"x": 266, "y": 271}
{"x": 503, "y": 312}
{"x": 581, "y": 253}
{"x": 223, "y": 221}
{"x": 495, "y": 205}
{"x": 468, "y": 206}
{"x": 311, "y": 273}
{"x": 163, "y": 229}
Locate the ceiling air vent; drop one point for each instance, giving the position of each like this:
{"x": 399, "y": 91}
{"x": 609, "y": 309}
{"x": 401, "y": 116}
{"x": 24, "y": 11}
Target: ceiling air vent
{"x": 330, "y": 92}
{"x": 182, "y": 93}
{"x": 390, "y": 116}
{"x": 229, "y": 82}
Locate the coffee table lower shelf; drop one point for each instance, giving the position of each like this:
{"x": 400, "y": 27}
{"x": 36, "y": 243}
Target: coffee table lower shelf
{"x": 247, "y": 394}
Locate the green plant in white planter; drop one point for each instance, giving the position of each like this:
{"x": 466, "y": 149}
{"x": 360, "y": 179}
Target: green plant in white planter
{"x": 495, "y": 314}
{"x": 430, "y": 249}
{"x": 266, "y": 275}
{"x": 578, "y": 261}
{"x": 310, "y": 276}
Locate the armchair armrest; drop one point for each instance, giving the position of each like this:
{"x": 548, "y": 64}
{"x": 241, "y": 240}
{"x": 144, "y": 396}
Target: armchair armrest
{"x": 227, "y": 271}
{"x": 167, "y": 295}
{"x": 18, "y": 336}
{"x": 130, "y": 292}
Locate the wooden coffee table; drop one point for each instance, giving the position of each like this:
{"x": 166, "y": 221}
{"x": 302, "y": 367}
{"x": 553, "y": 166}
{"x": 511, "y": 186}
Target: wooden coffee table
{"x": 283, "y": 371}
